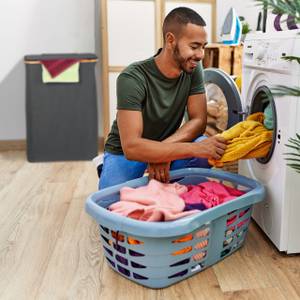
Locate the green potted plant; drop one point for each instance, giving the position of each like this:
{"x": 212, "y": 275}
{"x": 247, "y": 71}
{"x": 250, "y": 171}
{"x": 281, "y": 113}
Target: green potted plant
{"x": 245, "y": 27}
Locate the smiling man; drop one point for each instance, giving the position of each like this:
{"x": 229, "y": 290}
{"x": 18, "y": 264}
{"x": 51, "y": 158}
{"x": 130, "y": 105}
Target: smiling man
{"x": 152, "y": 97}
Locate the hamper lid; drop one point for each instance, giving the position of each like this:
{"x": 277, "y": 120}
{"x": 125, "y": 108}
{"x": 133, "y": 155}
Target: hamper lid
{"x": 49, "y": 56}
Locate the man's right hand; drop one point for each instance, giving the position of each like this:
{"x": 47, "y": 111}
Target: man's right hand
{"x": 159, "y": 171}
{"x": 212, "y": 148}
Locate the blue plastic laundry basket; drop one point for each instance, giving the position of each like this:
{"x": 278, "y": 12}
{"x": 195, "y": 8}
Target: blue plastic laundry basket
{"x": 158, "y": 254}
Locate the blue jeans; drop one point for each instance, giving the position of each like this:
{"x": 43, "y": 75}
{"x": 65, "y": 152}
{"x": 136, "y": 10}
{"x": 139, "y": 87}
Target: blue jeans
{"x": 117, "y": 169}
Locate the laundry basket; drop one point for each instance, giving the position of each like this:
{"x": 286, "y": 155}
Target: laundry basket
{"x": 158, "y": 254}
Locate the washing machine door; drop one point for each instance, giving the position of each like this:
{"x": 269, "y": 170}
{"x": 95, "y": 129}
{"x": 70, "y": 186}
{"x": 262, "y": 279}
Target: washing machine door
{"x": 224, "y": 104}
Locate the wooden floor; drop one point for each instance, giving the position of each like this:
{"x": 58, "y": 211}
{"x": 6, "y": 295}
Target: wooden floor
{"x": 49, "y": 246}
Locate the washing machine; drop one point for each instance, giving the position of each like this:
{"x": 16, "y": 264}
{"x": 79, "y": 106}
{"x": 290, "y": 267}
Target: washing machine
{"x": 263, "y": 68}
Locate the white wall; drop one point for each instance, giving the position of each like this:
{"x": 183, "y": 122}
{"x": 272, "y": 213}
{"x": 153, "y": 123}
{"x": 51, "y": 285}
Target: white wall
{"x": 57, "y": 26}
{"x": 35, "y": 27}
{"x": 246, "y": 8}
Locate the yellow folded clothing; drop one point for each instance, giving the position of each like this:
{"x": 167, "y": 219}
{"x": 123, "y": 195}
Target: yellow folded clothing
{"x": 247, "y": 139}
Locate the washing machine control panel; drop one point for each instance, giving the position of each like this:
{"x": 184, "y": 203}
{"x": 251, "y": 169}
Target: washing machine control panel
{"x": 268, "y": 54}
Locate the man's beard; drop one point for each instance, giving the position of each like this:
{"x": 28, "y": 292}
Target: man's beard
{"x": 180, "y": 60}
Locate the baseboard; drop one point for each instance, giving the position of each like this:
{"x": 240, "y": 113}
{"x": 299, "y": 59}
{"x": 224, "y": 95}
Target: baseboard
{"x": 20, "y": 145}
{"x": 12, "y": 145}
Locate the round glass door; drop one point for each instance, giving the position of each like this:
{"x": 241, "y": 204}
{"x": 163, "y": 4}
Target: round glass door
{"x": 224, "y": 106}
{"x": 217, "y": 110}
{"x": 263, "y": 101}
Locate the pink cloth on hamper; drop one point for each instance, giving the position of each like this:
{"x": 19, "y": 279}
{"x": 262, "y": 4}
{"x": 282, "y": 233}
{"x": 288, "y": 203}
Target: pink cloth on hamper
{"x": 210, "y": 194}
{"x": 153, "y": 203}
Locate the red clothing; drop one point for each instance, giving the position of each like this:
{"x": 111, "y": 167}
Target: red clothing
{"x": 57, "y": 66}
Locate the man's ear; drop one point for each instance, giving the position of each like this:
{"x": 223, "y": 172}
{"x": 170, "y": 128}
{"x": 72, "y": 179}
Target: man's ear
{"x": 170, "y": 40}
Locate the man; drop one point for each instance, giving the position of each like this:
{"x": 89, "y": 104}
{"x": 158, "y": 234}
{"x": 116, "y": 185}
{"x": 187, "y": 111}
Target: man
{"x": 152, "y": 97}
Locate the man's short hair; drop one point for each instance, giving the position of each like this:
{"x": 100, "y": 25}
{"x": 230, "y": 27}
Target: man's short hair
{"x": 179, "y": 17}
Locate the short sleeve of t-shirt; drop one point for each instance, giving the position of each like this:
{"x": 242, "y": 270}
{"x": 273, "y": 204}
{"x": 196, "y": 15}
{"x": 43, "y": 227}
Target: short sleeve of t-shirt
{"x": 197, "y": 83}
{"x": 130, "y": 92}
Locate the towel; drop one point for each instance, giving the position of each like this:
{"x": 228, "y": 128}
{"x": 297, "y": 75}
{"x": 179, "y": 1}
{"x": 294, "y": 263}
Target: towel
{"x": 268, "y": 120}
{"x": 70, "y": 75}
{"x": 57, "y": 66}
{"x": 153, "y": 203}
{"x": 247, "y": 139}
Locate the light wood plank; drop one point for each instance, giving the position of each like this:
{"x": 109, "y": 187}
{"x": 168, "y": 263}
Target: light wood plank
{"x": 116, "y": 69}
{"x": 201, "y": 286}
{"x": 105, "y": 72}
{"x": 159, "y": 17}
{"x": 192, "y": 1}
{"x": 238, "y": 272}
{"x": 265, "y": 294}
{"x": 10, "y": 164}
{"x": 214, "y": 21}
{"x": 30, "y": 230}
{"x": 77, "y": 250}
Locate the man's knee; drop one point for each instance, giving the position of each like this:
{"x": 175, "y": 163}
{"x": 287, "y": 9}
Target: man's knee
{"x": 117, "y": 169}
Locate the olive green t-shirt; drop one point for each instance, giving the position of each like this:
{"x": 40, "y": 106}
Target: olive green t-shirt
{"x": 161, "y": 100}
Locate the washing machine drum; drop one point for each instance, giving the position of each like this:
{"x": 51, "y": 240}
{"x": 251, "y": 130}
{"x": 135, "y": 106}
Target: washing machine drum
{"x": 224, "y": 105}
{"x": 262, "y": 98}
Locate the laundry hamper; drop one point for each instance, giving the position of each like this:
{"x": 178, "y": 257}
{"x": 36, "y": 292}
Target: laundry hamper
{"x": 158, "y": 254}
{"x": 61, "y": 117}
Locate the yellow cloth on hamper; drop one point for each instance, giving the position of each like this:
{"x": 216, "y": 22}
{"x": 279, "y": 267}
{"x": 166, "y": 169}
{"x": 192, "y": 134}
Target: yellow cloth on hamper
{"x": 70, "y": 75}
{"x": 247, "y": 139}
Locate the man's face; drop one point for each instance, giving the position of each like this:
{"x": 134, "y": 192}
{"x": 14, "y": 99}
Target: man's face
{"x": 189, "y": 48}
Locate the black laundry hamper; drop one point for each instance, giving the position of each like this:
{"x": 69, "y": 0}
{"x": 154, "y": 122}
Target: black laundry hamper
{"x": 61, "y": 118}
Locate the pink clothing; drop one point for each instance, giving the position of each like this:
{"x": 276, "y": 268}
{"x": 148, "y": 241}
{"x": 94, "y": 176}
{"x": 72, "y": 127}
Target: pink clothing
{"x": 210, "y": 194}
{"x": 165, "y": 202}
{"x": 154, "y": 202}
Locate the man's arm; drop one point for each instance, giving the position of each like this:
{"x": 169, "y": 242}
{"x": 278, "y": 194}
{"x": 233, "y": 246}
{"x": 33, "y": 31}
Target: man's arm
{"x": 197, "y": 111}
{"x": 130, "y": 124}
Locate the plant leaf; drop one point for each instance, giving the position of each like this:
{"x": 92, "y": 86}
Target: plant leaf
{"x": 293, "y": 147}
{"x": 280, "y": 90}
{"x": 282, "y": 7}
{"x": 295, "y": 154}
{"x": 295, "y": 142}
{"x": 294, "y": 166}
{"x": 291, "y": 58}
{"x": 292, "y": 159}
